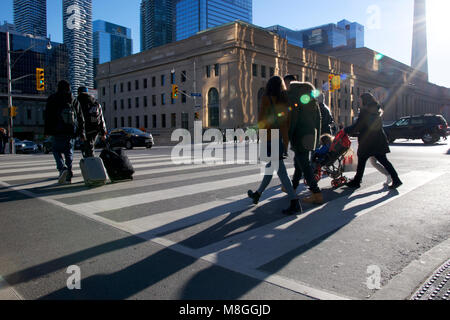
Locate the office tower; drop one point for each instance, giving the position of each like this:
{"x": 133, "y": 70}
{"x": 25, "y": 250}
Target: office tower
{"x": 30, "y": 16}
{"x": 111, "y": 42}
{"x": 157, "y": 23}
{"x": 419, "y": 57}
{"x": 193, "y": 16}
{"x": 343, "y": 35}
{"x": 77, "y": 34}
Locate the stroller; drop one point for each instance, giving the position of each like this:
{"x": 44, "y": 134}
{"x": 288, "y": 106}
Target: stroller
{"x": 333, "y": 163}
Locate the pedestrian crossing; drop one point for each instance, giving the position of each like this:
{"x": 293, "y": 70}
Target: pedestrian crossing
{"x": 202, "y": 209}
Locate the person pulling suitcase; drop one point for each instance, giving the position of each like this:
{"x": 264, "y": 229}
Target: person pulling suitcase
{"x": 94, "y": 121}
{"x": 92, "y": 168}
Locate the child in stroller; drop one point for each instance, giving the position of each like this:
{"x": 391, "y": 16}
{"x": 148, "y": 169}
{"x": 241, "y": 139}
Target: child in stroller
{"x": 329, "y": 158}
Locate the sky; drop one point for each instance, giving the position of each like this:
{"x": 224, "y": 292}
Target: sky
{"x": 388, "y": 23}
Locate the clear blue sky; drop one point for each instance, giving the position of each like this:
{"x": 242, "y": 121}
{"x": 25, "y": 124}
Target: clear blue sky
{"x": 389, "y": 31}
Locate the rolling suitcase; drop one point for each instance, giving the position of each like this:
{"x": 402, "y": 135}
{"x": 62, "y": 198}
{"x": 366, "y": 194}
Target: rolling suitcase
{"x": 117, "y": 164}
{"x": 93, "y": 171}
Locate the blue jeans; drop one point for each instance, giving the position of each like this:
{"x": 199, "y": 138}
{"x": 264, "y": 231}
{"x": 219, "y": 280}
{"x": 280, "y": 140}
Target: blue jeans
{"x": 284, "y": 178}
{"x": 63, "y": 146}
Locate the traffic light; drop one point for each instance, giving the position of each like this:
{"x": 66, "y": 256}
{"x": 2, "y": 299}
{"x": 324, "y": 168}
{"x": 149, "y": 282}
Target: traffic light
{"x": 13, "y": 111}
{"x": 336, "y": 82}
{"x": 330, "y": 83}
{"x": 174, "y": 91}
{"x": 40, "y": 83}
{"x": 197, "y": 116}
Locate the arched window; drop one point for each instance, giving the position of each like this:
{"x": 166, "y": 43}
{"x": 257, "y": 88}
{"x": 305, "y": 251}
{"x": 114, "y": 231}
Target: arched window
{"x": 213, "y": 107}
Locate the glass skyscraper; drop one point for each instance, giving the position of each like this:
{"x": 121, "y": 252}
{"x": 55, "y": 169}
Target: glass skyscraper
{"x": 30, "y": 16}
{"x": 157, "y": 23}
{"x": 77, "y": 34}
{"x": 193, "y": 16}
{"x": 111, "y": 42}
{"x": 344, "y": 34}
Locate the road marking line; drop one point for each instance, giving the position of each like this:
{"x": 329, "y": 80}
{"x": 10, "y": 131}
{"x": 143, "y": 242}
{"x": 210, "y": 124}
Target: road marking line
{"x": 7, "y": 292}
{"x": 272, "y": 279}
{"x": 127, "y": 185}
{"x": 146, "y": 163}
{"x": 172, "y": 168}
{"x": 255, "y": 249}
{"x": 152, "y": 196}
{"x": 76, "y": 158}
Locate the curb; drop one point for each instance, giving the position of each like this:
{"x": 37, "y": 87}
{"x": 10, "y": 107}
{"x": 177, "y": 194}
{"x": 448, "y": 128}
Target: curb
{"x": 405, "y": 284}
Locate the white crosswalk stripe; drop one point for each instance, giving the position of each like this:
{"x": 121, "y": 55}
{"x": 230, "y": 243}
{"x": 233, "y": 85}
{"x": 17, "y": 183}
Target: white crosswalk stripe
{"x": 250, "y": 246}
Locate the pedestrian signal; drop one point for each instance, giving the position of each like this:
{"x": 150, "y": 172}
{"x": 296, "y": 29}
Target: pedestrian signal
{"x": 174, "y": 91}
{"x": 197, "y": 116}
{"x": 40, "y": 81}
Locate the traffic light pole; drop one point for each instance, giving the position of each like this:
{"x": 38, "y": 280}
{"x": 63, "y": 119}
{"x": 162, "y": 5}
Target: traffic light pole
{"x": 10, "y": 121}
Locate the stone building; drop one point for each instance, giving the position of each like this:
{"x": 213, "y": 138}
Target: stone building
{"x": 230, "y": 66}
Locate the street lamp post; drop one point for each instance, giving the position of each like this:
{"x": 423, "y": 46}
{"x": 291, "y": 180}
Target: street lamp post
{"x": 10, "y": 119}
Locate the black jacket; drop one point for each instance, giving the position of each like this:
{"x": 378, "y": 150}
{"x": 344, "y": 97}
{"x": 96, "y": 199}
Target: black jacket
{"x": 86, "y": 103}
{"x": 327, "y": 119}
{"x": 372, "y": 139}
{"x": 52, "y": 116}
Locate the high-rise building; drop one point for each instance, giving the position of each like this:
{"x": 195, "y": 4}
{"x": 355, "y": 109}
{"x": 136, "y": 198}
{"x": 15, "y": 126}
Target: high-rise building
{"x": 30, "y": 16}
{"x": 29, "y": 52}
{"x": 344, "y": 34}
{"x": 111, "y": 42}
{"x": 157, "y": 23}
{"x": 77, "y": 34}
{"x": 419, "y": 57}
{"x": 193, "y": 16}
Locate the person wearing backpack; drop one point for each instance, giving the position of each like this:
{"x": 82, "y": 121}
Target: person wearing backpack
{"x": 64, "y": 122}
{"x": 304, "y": 133}
{"x": 94, "y": 121}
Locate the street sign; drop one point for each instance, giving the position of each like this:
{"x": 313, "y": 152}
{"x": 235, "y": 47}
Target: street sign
{"x": 195, "y": 94}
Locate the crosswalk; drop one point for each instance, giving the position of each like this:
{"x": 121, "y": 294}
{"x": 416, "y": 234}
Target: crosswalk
{"x": 202, "y": 209}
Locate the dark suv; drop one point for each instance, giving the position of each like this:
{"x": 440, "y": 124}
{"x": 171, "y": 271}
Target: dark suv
{"x": 428, "y": 127}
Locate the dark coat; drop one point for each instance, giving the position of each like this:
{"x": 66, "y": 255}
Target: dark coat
{"x": 327, "y": 119}
{"x": 305, "y": 126}
{"x": 52, "y": 115}
{"x": 372, "y": 139}
{"x": 86, "y": 102}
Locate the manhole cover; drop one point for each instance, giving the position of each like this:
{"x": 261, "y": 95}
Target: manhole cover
{"x": 437, "y": 287}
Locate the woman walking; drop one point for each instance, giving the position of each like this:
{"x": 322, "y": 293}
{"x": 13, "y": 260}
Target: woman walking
{"x": 274, "y": 114}
{"x": 372, "y": 140}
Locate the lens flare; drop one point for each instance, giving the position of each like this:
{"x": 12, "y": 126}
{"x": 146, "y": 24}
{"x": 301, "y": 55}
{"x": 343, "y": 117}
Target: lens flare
{"x": 305, "y": 99}
{"x": 315, "y": 93}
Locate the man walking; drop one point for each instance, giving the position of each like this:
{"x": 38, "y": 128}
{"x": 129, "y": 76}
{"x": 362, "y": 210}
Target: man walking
{"x": 64, "y": 122}
{"x": 304, "y": 133}
{"x": 94, "y": 121}
{"x": 325, "y": 114}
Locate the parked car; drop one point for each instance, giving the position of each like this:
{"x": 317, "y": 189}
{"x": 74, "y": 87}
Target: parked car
{"x": 29, "y": 147}
{"x": 428, "y": 127}
{"x": 19, "y": 145}
{"x": 130, "y": 138}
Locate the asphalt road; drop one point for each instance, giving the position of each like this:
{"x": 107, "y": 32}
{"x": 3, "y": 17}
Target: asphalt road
{"x": 189, "y": 231}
